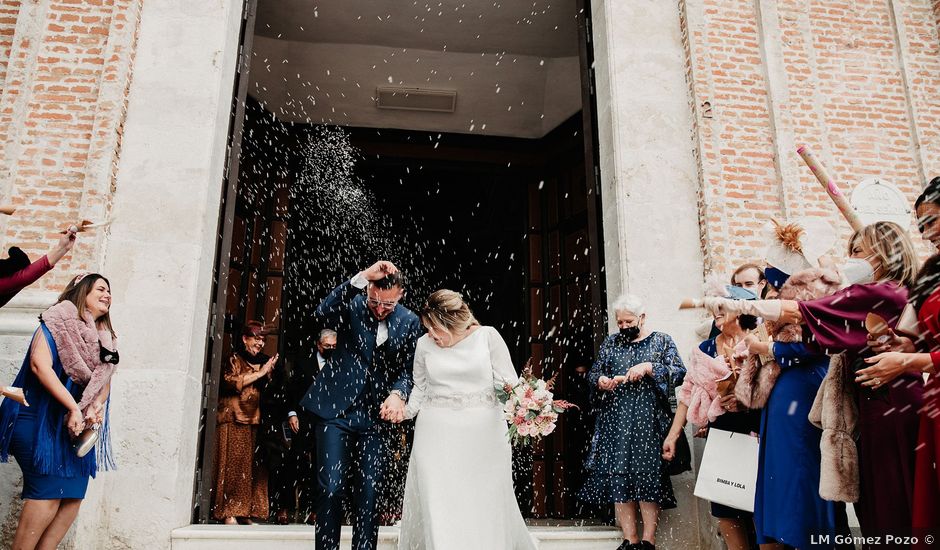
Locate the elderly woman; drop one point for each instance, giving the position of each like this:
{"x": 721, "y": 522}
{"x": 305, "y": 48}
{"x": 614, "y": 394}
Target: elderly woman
{"x": 635, "y": 371}
{"x": 66, "y": 377}
{"x": 881, "y": 266}
{"x": 241, "y": 483}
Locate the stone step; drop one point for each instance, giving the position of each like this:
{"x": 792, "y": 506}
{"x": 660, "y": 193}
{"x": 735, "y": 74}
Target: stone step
{"x": 300, "y": 537}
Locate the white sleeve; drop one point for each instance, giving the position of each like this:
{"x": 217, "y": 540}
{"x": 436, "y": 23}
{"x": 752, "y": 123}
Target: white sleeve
{"x": 503, "y": 371}
{"x": 359, "y": 281}
{"x": 420, "y": 379}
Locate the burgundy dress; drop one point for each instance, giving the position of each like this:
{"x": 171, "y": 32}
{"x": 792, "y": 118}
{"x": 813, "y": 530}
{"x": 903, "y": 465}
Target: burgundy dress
{"x": 887, "y": 417}
{"x": 926, "y": 475}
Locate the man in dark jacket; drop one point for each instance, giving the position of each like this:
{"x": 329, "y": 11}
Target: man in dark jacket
{"x": 298, "y": 472}
{"x": 362, "y": 387}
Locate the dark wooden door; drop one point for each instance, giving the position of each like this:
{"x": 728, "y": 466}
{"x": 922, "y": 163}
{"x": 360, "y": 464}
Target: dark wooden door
{"x": 563, "y": 280}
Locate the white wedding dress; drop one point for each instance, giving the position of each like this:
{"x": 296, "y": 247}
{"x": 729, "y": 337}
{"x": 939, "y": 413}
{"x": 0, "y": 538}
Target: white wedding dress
{"x": 459, "y": 492}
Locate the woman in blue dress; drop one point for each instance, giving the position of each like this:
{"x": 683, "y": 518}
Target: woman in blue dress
{"x": 66, "y": 378}
{"x": 633, "y": 376}
{"x": 787, "y": 506}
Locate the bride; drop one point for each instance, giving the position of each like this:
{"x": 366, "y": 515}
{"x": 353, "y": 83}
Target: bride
{"x": 459, "y": 492}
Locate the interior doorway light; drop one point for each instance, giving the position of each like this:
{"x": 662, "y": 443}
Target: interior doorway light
{"x": 416, "y": 99}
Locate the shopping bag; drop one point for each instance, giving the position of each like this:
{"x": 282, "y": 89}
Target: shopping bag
{"x": 728, "y": 473}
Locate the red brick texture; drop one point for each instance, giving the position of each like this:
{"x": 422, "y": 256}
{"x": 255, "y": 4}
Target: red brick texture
{"x": 62, "y": 110}
{"x": 9, "y": 9}
{"x": 858, "y": 81}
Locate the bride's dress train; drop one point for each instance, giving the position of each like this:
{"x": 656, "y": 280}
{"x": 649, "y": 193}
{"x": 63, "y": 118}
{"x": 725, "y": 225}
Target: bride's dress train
{"x": 459, "y": 492}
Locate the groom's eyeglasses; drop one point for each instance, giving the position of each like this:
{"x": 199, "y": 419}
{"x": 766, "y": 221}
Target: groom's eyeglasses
{"x": 376, "y": 303}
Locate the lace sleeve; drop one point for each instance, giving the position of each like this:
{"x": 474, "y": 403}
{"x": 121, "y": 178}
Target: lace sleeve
{"x": 503, "y": 371}
{"x": 419, "y": 390}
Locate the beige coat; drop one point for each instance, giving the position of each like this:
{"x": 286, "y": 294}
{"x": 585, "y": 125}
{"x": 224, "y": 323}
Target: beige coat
{"x": 835, "y": 411}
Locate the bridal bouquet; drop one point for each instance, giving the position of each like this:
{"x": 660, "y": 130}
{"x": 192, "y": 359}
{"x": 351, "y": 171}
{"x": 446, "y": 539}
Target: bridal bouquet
{"x": 530, "y": 408}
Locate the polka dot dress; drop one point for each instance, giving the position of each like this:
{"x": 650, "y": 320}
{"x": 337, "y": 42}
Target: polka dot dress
{"x": 625, "y": 462}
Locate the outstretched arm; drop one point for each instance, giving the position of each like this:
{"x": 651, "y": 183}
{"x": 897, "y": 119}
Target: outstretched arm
{"x": 785, "y": 311}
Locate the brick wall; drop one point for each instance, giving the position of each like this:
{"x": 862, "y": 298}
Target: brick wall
{"x": 61, "y": 112}
{"x": 857, "y": 80}
{"x": 9, "y": 9}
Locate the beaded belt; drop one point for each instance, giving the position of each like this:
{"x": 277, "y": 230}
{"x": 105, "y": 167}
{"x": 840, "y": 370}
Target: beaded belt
{"x": 462, "y": 400}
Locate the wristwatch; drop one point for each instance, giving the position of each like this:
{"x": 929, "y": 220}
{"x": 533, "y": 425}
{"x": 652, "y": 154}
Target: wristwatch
{"x": 399, "y": 393}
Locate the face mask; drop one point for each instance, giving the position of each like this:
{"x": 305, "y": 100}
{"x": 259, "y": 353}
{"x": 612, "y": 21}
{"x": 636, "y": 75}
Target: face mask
{"x": 857, "y": 271}
{"x": 630, "y": 333}
{"x": 327, "y": 353}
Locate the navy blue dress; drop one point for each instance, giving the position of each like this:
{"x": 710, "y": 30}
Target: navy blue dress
{"x": 37, "y": 437}
{"x": 625, "y": 463}
{"x": 742, "y": 422}
{"x": 787, "y": 507}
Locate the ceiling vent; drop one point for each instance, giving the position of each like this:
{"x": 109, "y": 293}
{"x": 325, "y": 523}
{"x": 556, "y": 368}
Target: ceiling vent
{"x": 416, "y": 99}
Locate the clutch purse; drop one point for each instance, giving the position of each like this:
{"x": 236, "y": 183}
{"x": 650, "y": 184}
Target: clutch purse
{"x": 85, "y": 441}
{"x": 726, "y": 384}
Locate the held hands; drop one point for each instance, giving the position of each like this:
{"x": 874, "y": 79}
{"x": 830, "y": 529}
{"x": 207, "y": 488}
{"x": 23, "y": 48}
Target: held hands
{"x": 393, "y": 409}
{"x": 294, "y": 424}
{"x": 379, "y": 270}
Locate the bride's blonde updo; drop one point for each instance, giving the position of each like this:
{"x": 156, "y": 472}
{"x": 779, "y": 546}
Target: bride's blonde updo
{"x": 446, "y": 310}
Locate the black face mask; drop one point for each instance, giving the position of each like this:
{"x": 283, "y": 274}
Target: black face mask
{"x": 630, "y": 333}
{"x": 327, "y": 353}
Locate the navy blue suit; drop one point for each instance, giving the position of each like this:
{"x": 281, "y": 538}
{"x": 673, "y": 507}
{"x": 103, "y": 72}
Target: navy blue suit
{"x": 346, "y": 397}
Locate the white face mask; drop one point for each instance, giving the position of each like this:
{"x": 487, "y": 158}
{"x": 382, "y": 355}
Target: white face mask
{"x": 857, "y": 271}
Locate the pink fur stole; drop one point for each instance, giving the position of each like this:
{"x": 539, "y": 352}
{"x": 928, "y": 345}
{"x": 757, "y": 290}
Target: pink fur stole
{"x": 699, "y": 391}
{"x": 78, "y": 341}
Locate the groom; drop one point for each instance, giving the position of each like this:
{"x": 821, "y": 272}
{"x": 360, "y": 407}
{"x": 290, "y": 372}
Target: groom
{"x": 366, "y": 381}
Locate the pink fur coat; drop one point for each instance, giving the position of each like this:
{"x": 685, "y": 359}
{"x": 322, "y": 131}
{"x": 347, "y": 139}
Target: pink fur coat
{"x": 77, "y": 341}
{"x": 699, "y": 391}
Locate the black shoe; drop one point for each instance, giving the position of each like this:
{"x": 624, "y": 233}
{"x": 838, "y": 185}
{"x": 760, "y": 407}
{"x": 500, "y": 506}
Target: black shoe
{"x": 646, "y": 545}
{"x": 627, "y": 545}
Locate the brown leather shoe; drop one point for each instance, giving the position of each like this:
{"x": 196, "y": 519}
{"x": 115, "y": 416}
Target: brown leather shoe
{"x": 311, "y": 519}
{"x": 282, "y": 517}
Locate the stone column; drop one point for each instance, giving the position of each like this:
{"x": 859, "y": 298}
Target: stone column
{"x": 160, "y": 257}
{"x": 650, "y": 187}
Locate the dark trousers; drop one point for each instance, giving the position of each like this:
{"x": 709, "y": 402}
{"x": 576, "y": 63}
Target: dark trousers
{"x": 297, "y": 474}
{"x": 348, "y": 447}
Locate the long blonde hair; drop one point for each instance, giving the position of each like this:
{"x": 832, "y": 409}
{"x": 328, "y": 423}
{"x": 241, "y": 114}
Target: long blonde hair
{"x": 892, "y": 247}
{"x": 445, "y": 309}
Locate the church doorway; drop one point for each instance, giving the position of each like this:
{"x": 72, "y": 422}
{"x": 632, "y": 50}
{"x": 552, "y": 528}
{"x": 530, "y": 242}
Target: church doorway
{"x": 460, "y": 192}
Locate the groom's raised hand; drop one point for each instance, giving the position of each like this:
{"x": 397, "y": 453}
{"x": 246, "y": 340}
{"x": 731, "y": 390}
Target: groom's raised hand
{"x": 379, "y": 270}
{"x": 393, "y": 409}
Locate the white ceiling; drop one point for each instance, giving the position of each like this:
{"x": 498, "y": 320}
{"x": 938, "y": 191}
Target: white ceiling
{"x": 528, "y": 27}
{"x": 513, "y": 63}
